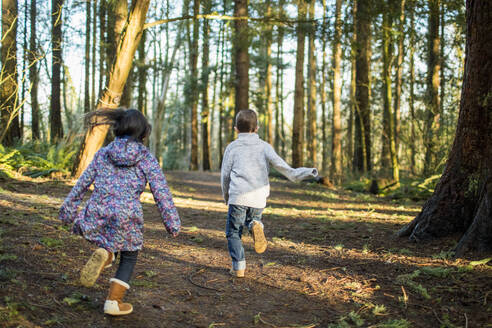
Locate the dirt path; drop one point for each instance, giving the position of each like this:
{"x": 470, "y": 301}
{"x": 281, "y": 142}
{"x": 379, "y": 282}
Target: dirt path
{"x": 332, "y": 261}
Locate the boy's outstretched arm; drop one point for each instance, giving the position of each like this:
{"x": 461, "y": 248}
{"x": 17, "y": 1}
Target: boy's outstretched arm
{"x": 294, "y": 175}
{"x": 225, "y": 174}
{"x": 69, "y": 208}
{"x": 162, "y": 194}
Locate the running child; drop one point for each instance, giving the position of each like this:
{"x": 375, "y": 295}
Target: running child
{"x": 113, "y": 219}
{"x": 245, "y": 185}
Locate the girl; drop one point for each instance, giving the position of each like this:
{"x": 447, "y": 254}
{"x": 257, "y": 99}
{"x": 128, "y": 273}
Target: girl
{"x": 113, "y": 218}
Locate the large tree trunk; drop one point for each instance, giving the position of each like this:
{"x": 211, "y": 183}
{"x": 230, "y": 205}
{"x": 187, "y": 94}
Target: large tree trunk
{"x": 362, "y": 151}
{"x": 9, "y": 102}
{"x": 336, "y": 145}
{"x": 56, "y": 127}
{"x": 33, "y": 74}
{"x": 353, "y": 83}
{"x": 241, "y": 45}
{"x": 94, "y": 138}
{"x": 311, "y": 102}
{"x": 142, "y": 76}
{"x": 433, "y": 107}
{"x": 462, "y": 200}
{"x": 298, "y": 122}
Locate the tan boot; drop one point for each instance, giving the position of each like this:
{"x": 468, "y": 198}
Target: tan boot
{"x": 99, "y": 260}
{"x": 237, "y": 273}
{"x": 259, "y": 237}
{"x": 114, "y": 304}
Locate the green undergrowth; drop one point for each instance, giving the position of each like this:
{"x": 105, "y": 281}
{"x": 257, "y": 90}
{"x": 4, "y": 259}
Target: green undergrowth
{"x": 416, "y": 189}
{"x": 37, "y": 159}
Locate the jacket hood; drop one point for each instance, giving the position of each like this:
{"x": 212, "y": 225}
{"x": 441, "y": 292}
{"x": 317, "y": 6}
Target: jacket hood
{"x": 125, "y": 152}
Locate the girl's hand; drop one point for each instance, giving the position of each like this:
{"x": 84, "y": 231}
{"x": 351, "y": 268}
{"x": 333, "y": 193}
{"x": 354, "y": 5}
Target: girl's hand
{"x": 175, "y": 234}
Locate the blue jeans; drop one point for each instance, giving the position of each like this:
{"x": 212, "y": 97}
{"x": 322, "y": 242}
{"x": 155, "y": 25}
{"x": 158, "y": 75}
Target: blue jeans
{"x": 238, "y": 217}
{"x": 128, "y": 259}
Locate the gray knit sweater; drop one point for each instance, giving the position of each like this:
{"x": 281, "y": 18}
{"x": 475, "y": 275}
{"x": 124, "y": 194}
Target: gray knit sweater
{"x": 245, "y": 167}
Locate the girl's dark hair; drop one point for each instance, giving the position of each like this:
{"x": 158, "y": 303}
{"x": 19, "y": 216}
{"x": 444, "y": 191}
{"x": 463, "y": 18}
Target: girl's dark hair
{"x": 246, "y": 120}
{"x": 125, "y": 122}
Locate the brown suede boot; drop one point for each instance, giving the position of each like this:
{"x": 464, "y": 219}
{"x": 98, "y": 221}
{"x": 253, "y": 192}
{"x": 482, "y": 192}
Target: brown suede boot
{"x": 114, "y": 304}
{"x": 99, "y": 260}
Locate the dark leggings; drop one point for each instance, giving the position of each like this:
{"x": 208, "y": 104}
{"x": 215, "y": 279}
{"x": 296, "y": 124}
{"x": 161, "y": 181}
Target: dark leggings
{"x": 127, "y": 263}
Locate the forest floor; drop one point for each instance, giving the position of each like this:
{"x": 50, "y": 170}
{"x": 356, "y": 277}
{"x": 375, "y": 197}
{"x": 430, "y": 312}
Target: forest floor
{"x": 332, "y": 261}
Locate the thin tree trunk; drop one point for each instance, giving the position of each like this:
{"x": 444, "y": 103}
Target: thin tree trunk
{"x": 118, "y": 75}
{"x": 413, "y": 151}
{"x": 324, "y": 97}
{"x": 298, "y": 120}
{"x": 399, "y": 76}
{"x": 268, "y": 77}
{"x": 103, "y": 47}
{"x": 241, "y": 56}
{"x": 94, "y": 43}
{"x": 336, "y": 163}
{"x": 87, "y": 59}
{"x": 311, "y": 88}
{"x": 353, "y": 83}
{"x": 206, "y": 160}
{"x": 33, "y": 74}
{"x": 279, "y": 138}
{"x": 56, "y": 127}
{"x": 142, "y": 76}
{"x": 194, "y": 87}
{"x": 433, "y": 101}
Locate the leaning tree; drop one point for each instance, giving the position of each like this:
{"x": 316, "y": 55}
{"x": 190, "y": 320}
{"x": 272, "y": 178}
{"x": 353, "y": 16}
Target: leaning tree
{"x": 462, "y": 200}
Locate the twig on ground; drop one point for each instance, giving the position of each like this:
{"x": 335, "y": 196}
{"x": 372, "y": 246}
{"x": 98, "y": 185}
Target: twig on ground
{"x": 260, "y": 319}
{"x": 190, "y": 279}
{"x": 437, "y": 317}
{"x": 485, "y": 298}
{"x": 466, "y": 321}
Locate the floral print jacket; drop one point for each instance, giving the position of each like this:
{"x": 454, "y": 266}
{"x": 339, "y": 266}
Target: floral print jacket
{"x": 113, "y": 216}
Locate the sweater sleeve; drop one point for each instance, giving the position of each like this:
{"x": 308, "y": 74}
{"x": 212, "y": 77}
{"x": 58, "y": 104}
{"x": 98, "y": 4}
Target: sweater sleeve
{"x": 162, "y": 194}
{"x": 69, "y": 208}
{"x": 225, "y": 174}
{"x": 294, "y": 175}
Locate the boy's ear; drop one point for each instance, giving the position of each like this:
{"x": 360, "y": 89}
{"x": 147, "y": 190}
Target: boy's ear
{"x": 257, "y": 127}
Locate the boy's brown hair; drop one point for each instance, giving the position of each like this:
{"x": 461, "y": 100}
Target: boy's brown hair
{"x": 246, "y": 121}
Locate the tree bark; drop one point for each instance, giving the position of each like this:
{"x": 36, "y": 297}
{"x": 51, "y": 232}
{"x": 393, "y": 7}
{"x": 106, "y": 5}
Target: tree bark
{"x": 462, "y": 200}
{"x": 323, "y": 93}
{"x": 241, "y": 45}
{"x": 9, "y": 102}
{"x": 110, "y": 98}
{"x": 336, "y": 145}
{"x": 33, "y": 74}
{"x": 142, "y": 76}
{"x": 433, "y": 106}
{"x": 411, "y": 100}
{"x": 362, "y": 151}
{"x": 298, "y": 122}
{"x": 353, "y": 83}
{"x": 56, "y": 127}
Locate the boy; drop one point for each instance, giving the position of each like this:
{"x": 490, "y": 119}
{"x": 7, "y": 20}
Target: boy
{"x": 245, "y": 185}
